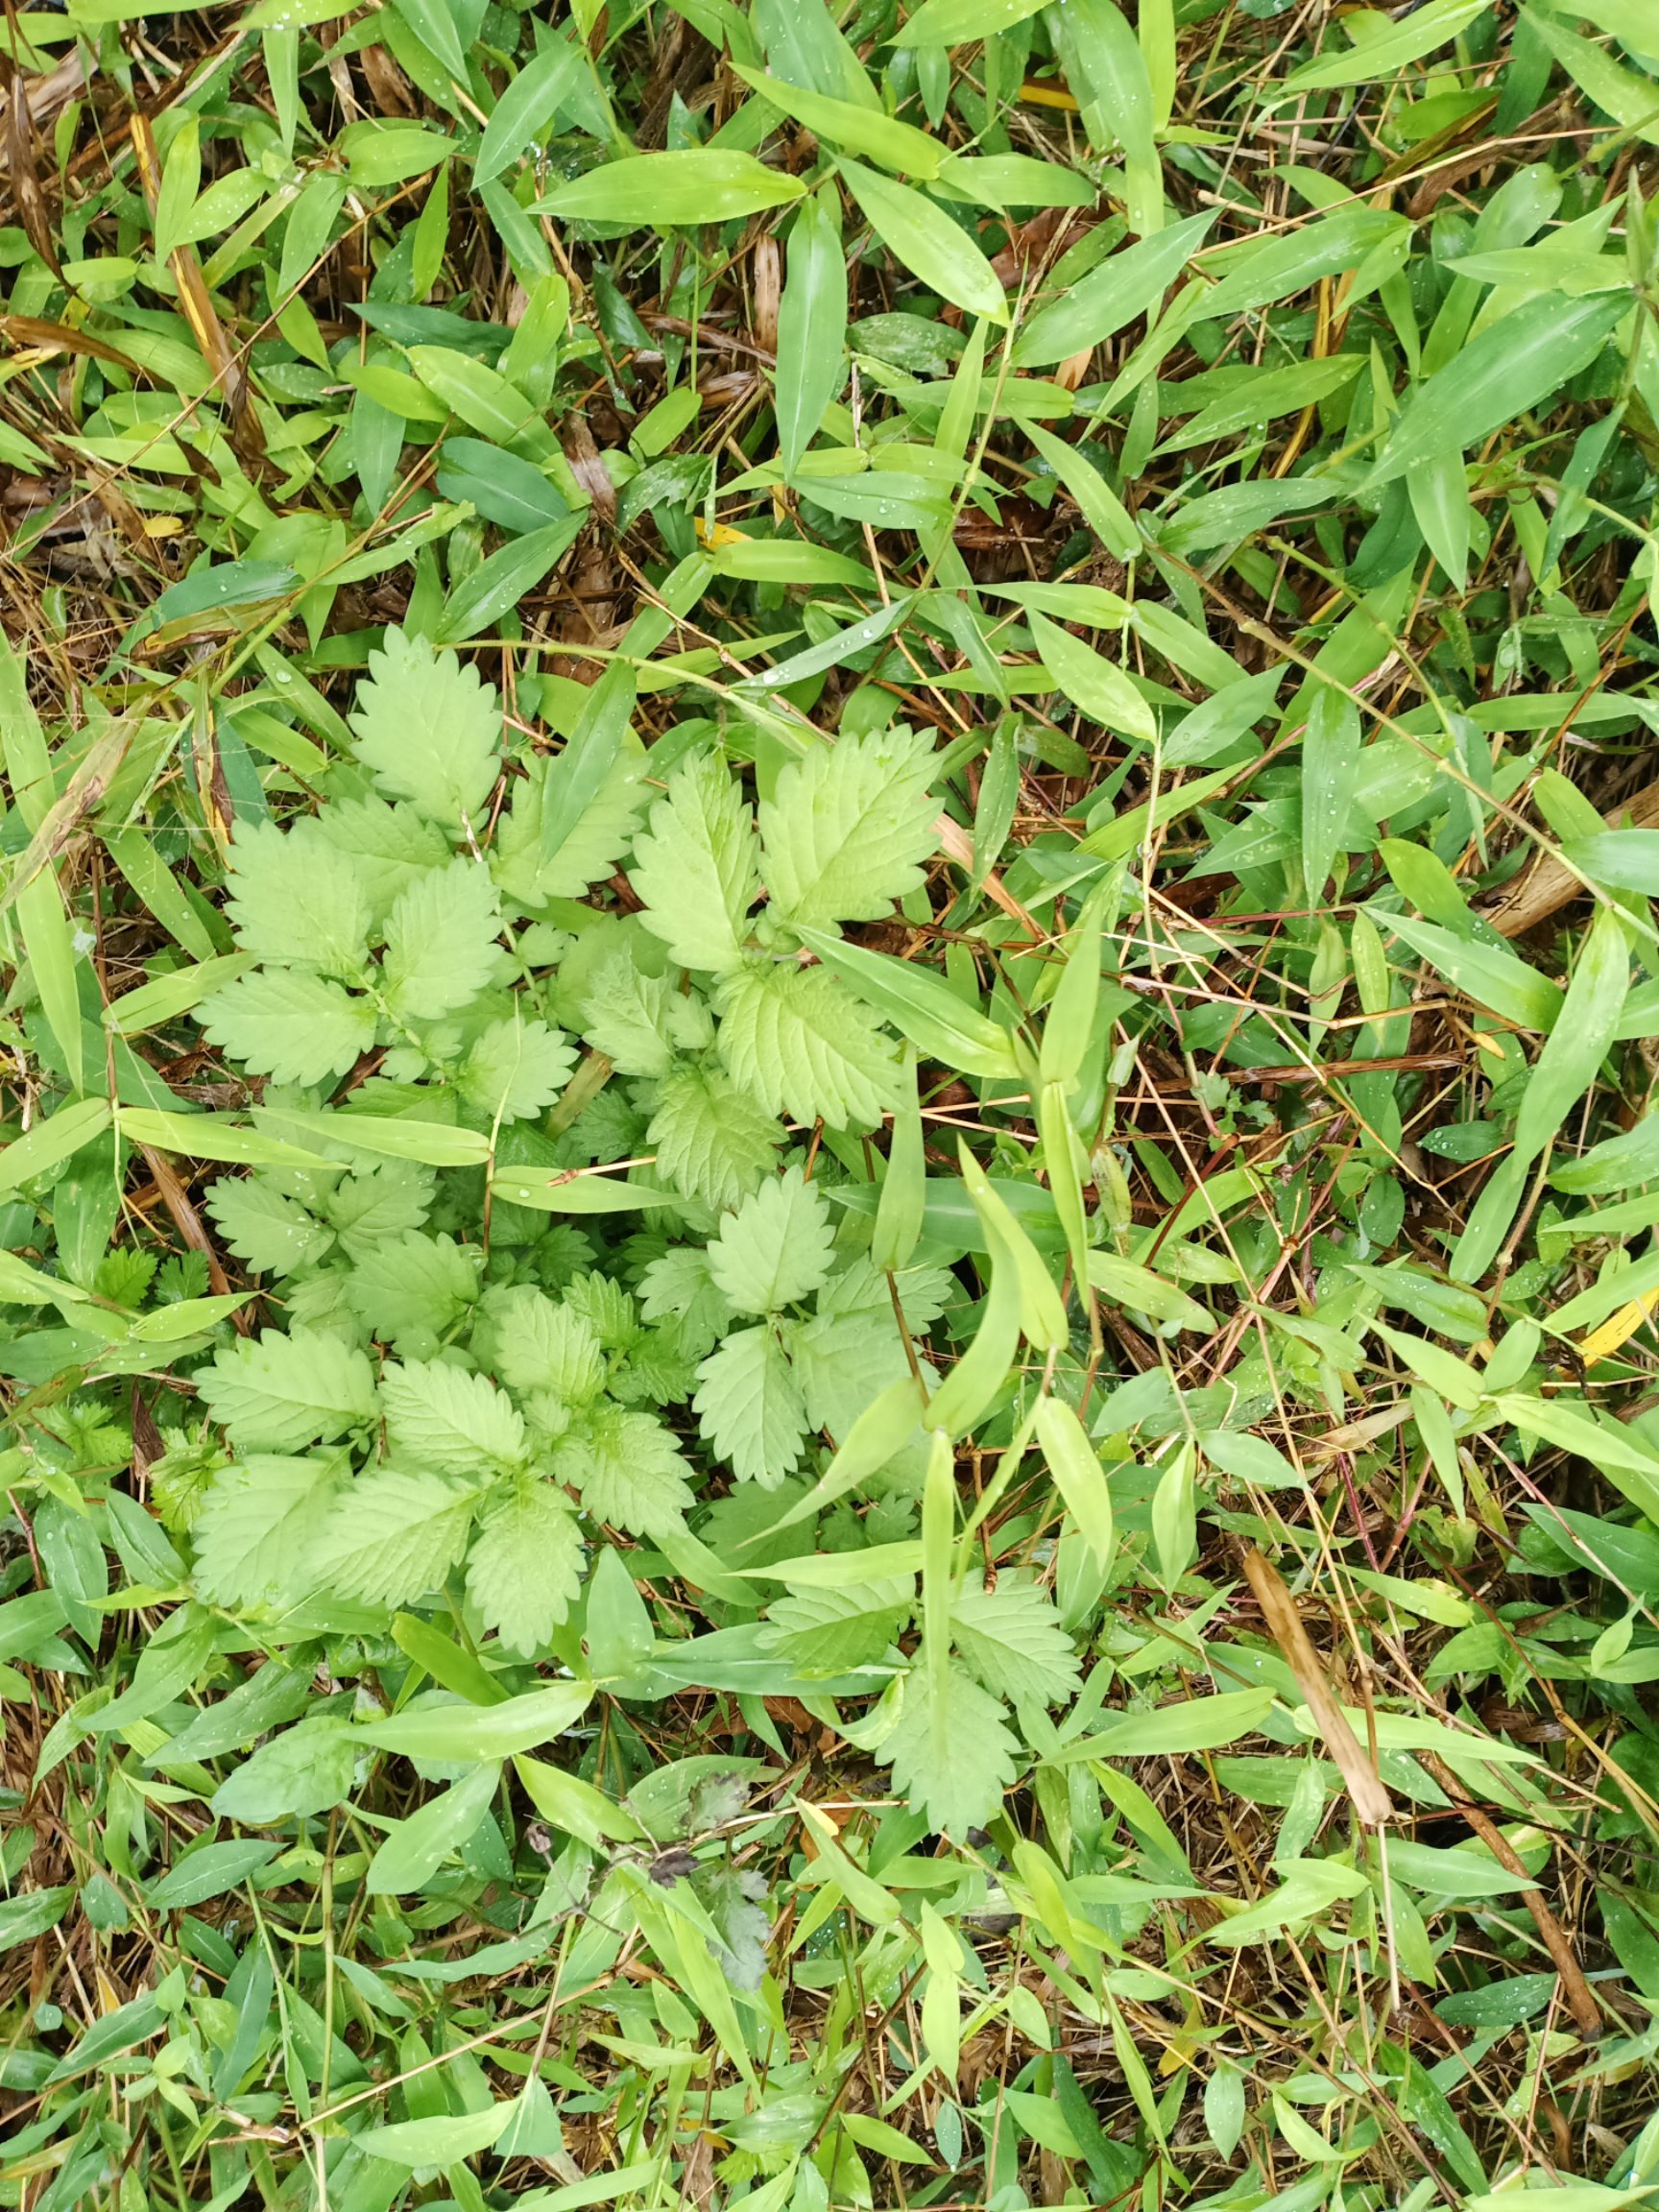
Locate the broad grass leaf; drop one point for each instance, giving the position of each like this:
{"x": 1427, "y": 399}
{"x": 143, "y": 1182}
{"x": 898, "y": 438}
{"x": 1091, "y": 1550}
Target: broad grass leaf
{"x": 483, "y": 399}
{"x": 414, "y": 1849}
{"x": 304, "y": 1770}
{"x": 1114, "y": 70}
{"x": 1005, "y": 180}
{"x": 1123, "y": 286}
{"x": 49, "y": 942}
{"x": 387, "y": 152}
{"x": 507, "y": 490}
{"x": 947, "y": 22}
{"x": 927, "y": 243}
{"x": 1099, "y": 687}
{"x": 441, "y": 2138}
{"x": 856, "y": 637}
{"x": 1373, "y": 58}
{"x": 1618, "y": 859}
{"x": 347, "y": 1131}
{"x": 499, "y": 583}
{"x": 1195, "y": 1724}
{"x": 924, "y": 1009}
{"x": 533, "y": 96}
{"x": 1330, "y": 780}
{"x": 33, "y": 1912}
{"x": 1566, "y": 1068}
{"x": 1490, "y": 974}
{"x": 209, "y": 1872}
{"x": 1097, "y": 503}
{"x": 1260, "y": 270}
{"x": 446, "y": 1732}
{"x": 701, "y": 184}
{"x": 846, "y": 123}
{"x": 53, "y": 1141}
{"x": 1439, "y": 490}
{"x": 1513, "y": 366}
{"x": 1619, "y": 91}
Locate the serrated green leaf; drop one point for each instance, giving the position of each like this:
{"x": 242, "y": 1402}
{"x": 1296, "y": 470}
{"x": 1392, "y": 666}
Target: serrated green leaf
{"x": 695, "y": 867}
{"x": 429, "y": 731}
{"x": 524, "y": 1565}
{"x": 952, "y": 1754}
{"x": 289, "y": 1024}
{"x": 438, "y": 1415}
{"x": 776, "y": 1249}
{"x": 628, "y": 1470}
{"x": 392, "y": 1535}
{"x": 750, "y": 1408}
{"x": 439, "y": 942}
{"x": 275, "y": 1393}
{"x": 802, "y": 1044}
{"x": 847, "y": 828}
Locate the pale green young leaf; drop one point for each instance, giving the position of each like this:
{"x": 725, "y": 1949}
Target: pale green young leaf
{"x": 412, "y": 1288}
{"x": 298, "y": 899}
{"x": 628, "y": 1470}
{"x": 542, "y": 1345}
{"x": 1012, "y": 1639}
{"x": 776, "y": 1249}
{"x": 951, "y": 1754}
{"x": 438, "y": 1415}
{"x": 680, "y": 1288}
{"x": 524, "y": 1564}
{"x": 846, "y": 829}
{"x": 428, "y": 730}
{"x": 386, "y": 845}
{"x": 626, "y": 1016}
{"x": 826, "y": 1632}
{"x": 373, "y": 1203}
{"x": 805, "y": 1046}
{"x": 712, "y": 1140}
{"x": 750, "y": 1406}
{"x": 253, "y": 1532}
{"x": 591, "y": 846}
{"x": 392, "y": 1535}
{"x": 289, "y": 1024}
{"x": 695, "y": 867}
{"x": 515, "y": 1069}
{"x": 273, "y": 1235}
{"x": 440, "y": 942}
{"x": 275, "y": 1393}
